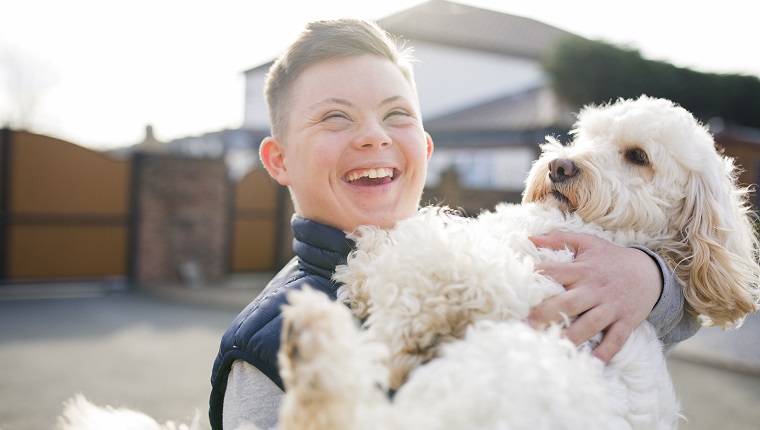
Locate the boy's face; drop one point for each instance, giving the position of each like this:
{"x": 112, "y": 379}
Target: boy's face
{"x": 355, "y": 151}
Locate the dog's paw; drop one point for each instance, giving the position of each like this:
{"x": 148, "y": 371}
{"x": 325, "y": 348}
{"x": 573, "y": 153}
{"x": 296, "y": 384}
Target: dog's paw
{"x": 313, "y": 326}
{"x": 330, "y": 368}
{"x": 323, "y": 348}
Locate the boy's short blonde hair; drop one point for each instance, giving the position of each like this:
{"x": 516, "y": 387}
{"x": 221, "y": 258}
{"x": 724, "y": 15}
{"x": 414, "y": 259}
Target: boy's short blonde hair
{"x": 325, "y": 40}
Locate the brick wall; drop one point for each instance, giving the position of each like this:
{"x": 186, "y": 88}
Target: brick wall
{"x": 182, "y": 222}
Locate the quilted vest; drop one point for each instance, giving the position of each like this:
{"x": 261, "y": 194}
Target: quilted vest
{"x": 254, "y": 335}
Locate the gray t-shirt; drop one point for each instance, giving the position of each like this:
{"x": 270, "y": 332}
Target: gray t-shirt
{"x": 251, "y": 397}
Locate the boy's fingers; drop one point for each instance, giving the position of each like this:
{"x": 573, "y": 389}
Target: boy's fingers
{"x": 559, "y": 240}
{"x": 565, "y": 274}
{"x": 587, "y": 326}
{"x": 560, "y": 307}
{"x": 612, "y": 342}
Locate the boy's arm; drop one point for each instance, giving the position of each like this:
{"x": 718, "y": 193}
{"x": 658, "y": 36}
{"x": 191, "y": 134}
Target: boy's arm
{"x": 250, "y": 397}
{"x": 669, "y": 316}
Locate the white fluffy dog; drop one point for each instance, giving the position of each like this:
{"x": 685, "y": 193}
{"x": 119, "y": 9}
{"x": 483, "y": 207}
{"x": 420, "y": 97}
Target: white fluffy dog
{"x": 442, "y": 298}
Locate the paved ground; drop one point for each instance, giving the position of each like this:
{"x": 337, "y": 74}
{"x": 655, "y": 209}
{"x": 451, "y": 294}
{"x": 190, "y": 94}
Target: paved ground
{"x": 154, "y": 353}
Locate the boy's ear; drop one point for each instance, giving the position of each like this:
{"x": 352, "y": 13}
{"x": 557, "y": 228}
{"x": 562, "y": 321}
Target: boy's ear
{"x": 272, "y": 156}
{"x": 430, "y": 145}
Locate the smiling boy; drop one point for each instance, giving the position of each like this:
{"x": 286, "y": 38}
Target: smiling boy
{"x": 354, "y": 151}
{"x": 348, "y": 142}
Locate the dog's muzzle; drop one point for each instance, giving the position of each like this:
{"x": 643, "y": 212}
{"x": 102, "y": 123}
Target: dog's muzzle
{"x": 561, "y": 169}
{"x": 561, "y": 174}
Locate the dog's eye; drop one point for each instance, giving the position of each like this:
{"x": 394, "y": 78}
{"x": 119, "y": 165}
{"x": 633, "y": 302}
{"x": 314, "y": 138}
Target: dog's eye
{"x": 637, "y": 156}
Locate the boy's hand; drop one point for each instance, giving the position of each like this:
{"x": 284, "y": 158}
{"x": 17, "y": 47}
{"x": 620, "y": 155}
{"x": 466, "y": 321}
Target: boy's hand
{"x": 611, "y": 288}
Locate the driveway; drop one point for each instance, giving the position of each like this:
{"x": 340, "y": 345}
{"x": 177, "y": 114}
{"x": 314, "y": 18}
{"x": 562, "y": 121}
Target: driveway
{"x": 155, "y": 355}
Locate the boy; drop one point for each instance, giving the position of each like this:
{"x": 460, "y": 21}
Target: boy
{"x": 348, "y": 142}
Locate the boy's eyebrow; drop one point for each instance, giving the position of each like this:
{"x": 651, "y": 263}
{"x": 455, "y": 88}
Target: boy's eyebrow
{"x": 390, "y": 100}
{"x": 330, "y": 100}
{"x": 347, "y": 103}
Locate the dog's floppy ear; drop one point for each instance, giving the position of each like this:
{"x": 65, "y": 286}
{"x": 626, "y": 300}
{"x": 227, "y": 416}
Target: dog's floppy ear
{"x": 719, "y": 260}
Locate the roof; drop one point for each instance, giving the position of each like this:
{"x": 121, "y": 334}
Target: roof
{"x": 533, "y": 109}
{"x": 470, "y": 27}
{"x": 455, "y": 24}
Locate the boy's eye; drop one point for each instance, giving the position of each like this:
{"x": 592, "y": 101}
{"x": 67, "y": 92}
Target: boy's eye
{"x": 334, "y": 115}
{"x": 397, "y": 113}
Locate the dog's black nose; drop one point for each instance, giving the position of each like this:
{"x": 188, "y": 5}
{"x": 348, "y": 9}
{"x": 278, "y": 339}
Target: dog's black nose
{"x": 561, "y": 169}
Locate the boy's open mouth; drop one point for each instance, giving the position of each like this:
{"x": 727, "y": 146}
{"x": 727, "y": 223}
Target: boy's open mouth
{"x": 374, "y": 176}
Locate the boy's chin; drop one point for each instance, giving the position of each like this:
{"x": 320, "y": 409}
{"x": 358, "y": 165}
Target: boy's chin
{"x": 348, "y": 219}
{"x": 384, "y": 221}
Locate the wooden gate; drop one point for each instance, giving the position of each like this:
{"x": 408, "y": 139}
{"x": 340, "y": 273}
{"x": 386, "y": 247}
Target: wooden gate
{"x": 261, "y": 230}
{"x": 69, "y": 213}
{"x": 64, "y": 210}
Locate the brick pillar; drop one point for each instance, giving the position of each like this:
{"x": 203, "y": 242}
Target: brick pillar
{"x": 181, "y": 221}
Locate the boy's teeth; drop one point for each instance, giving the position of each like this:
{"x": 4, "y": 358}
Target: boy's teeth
{"x": 371, "y": 173}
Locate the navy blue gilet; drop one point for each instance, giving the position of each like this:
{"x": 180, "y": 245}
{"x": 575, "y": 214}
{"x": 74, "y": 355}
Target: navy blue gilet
{"x": 254, "y": 335}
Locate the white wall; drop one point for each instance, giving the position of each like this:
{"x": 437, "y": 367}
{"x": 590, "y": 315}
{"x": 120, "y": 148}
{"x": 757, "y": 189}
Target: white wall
{"x": 495, "y": 168}
{"x": 255, "y": 114}
{"x": 448, "y": 79}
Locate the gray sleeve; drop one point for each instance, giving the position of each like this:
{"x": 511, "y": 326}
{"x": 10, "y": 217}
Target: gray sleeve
{"x": 669, "y": 318}
{"x": 251, "y": 397}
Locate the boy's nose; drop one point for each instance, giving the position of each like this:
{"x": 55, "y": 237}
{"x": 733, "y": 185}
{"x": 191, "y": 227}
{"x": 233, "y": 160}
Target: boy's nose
{"x": 373, "y": 135}
{"x": 378, "y": 143}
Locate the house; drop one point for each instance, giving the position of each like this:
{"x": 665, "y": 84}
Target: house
{"x": 483, "y": 94}
{"x": 485, "y": 100}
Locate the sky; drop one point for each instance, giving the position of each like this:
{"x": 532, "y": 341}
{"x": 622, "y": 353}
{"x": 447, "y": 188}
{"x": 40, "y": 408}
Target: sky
{"x": 96, "y": 72}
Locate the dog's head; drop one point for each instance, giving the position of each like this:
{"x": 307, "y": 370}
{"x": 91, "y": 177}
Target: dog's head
{"x": 647, "y": 167}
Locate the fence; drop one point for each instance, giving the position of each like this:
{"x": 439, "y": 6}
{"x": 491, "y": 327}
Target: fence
{"x": 67, "y": 213}
{"x": 70, "y": 213}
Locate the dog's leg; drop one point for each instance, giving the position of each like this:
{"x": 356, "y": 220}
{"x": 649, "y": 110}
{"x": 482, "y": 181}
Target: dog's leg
{"x": 333, "y": 375}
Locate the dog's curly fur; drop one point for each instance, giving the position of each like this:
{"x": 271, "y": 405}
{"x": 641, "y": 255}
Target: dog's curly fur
{"x": 81, "y": 414}
{"x": 442, "y": 298}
